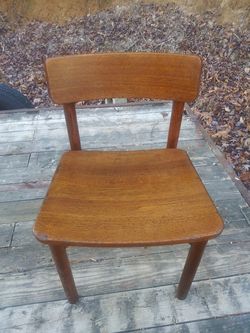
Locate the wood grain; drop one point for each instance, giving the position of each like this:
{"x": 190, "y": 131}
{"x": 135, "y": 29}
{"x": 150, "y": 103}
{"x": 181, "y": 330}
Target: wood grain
{"x": 17, "y": 136}
{"x": 19, "y": 211}
{"x": 112, "y": 140}
{"x": 175, "y": 124}
{"x": 234, "y": 323}
{"x": 14, "y": 161}
{"x": 108, "y": 198}
{"x": 136, "y": 310}
{"x": 6, "y": 232}
{"x": 125, "y": 75}
{"x": 23, "y": 191}
{"x": 72, "y": 126}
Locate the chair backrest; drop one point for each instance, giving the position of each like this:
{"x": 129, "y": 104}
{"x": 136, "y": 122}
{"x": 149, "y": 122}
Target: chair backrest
{"x": 131, "y": 75}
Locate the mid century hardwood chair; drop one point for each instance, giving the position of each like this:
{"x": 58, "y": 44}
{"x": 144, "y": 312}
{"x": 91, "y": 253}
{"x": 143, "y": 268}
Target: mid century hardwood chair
{"x": 118, "y": 199}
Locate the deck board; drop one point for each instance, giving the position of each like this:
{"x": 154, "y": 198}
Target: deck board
{"x": 14, "y": 161}
{"x": 41, "y": 284}
{"x": 17, "y": 211}
{"x": 6, "y": 233}
{"x": 133, "y": 310}
{"x": 230, "y": 324}
{"x": 123, "y": 290}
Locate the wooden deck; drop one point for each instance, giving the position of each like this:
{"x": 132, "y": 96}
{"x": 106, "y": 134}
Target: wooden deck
{"x": 123, "y": 290}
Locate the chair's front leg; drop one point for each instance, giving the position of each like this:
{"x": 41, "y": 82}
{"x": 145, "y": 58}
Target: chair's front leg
{"x": 190, "y": 268}
{"x": 63, "y": 268}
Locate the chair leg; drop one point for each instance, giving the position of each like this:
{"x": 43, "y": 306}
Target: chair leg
{"x": 63, "y": 268}
{"x": 190, "y": 268}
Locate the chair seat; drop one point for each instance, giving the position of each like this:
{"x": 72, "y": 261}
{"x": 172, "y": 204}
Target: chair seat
{"x": 138, "y": 198}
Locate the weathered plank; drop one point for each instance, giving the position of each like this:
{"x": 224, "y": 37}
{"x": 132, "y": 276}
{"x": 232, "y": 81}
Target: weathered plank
{"x": 231, "y": 209}
{"x": 140, "y": 130}
{"x": 30, "y": 146}
{"x": 9, "y": 119}
{"x": 29, "y": 123}
{"x": 154, "y": 129}
{"x": 110, "y": 119}
{"x": 210, "y": 173}
{"x": 222, "y": 190}
{"x": 26, "y": 175}
{"x": 19, "y": 135}
{"x": 45, "y": 159}
{"x": 17, "y": 211}
{"x": 246, "y": 213}
{"x": 113, "y": 275}
{"x": 57, "y": 112}
{"x": 101, "y": 128}
{"x": 133, "y": 310}
{"x": 227, "y": 324}
{"x": 196, "y": 148}
{"x": 114, "y": 141}
{"x": 103, "y": 117}
{"x": 102, "y": 121}
{"x": 6, "y": 232}
{"x": 23, "y": 191}
{"x": 14, "y": 161}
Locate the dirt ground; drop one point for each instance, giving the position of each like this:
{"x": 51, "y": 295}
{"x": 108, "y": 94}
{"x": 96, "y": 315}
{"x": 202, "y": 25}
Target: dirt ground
{"x": 226, "y": 11}
{"x": 223, "y": 104}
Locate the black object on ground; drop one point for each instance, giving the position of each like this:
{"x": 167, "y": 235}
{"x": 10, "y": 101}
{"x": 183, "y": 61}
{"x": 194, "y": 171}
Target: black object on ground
{"x": 11, "y": 99}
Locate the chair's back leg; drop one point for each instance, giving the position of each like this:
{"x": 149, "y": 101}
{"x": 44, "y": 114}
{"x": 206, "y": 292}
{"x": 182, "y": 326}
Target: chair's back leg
{"x": 72, "y": 126}
{"x": 175, "y": 124}
{"x": 63, "y": 268}
{"x": 190, "y": 268}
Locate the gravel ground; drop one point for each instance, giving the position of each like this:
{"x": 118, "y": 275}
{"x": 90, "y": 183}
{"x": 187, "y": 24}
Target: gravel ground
{"x": 223, "y": 105}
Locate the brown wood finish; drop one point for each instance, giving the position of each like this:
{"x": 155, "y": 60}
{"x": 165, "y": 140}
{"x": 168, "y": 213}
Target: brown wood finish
{"x": 138, "y": 198}
{"x": 63, "y": 268}
{"x": 109, "y": 198}
{"x": 129, "y": 75}
{"x": 72, "y": 126}
{"x": 175, "y": 124}
{"x": 190, "y": 268}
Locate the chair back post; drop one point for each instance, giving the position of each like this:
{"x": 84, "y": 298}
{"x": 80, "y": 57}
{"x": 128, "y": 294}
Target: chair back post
{"x": 175, "y": 124}
{"x": 72, "y": 126}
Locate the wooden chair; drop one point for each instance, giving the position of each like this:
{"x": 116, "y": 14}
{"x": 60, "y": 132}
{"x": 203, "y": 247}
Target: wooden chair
{"x": 119, "y": 199}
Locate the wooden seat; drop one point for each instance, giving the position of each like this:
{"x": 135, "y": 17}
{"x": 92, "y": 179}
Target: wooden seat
{"x": 138, "y": 198}
{"x": 109, "y": 198}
